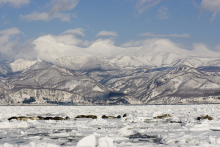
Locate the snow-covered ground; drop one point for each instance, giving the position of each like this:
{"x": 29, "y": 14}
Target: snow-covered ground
{"x": 139, "y": 128}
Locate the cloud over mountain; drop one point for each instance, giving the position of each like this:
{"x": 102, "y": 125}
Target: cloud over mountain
{"x": 148, "y": 34}
{"x": 8, "y": 41}
{"x": 75, "y": 32}
{"x": 107, "y": 33}
{"x": 71, "y": 43}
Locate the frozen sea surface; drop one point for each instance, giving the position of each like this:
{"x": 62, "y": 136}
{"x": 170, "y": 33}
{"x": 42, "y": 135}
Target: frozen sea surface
{"x": 139, "y": 128}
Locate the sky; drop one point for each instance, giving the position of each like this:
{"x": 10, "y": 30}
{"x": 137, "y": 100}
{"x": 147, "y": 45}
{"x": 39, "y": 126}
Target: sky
{"x": 27, "y": 25}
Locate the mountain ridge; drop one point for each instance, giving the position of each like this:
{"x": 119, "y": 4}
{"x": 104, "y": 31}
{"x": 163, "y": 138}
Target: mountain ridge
{"x": 125, "y": 79}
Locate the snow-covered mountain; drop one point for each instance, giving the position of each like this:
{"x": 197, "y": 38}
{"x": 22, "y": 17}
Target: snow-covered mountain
{"x": 159, "y": 72}
{"x": 15, "y": 66}
{"x": 152, "y": 52}
{"x": 85, "y": 62}
{"x": 158, "y": 59}
{"x": 4, "y": 69}
{"x": 21, "y": 64}
{"x": 45, "y": 83}
{"x": 182, "y": 84}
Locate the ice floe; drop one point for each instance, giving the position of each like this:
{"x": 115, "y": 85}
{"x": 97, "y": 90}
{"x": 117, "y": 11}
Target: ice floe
{"x": 143, "y": 125}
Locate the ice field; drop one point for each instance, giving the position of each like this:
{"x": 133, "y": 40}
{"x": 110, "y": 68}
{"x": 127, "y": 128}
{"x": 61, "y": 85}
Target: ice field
{"x": 138, "y": 128}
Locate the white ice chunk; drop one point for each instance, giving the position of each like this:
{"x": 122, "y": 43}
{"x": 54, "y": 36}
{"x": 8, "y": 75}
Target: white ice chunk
{"x": 142, "y": 118}
{"x": 214, "y": 128}
{"x": 14, "y": 124}
{"x": 175, "y": 118}
{"x": 174, "y": 138}
{"x": 88, "y": 141}
{"x": 199, "y": 127}
{"x": 8, "y": 145}
{"x": 218, "y": 141}
{"x": 126, "y": 131}
{"x": 105, "y": 142}
{"x": 43, "y": 144}
{"x": 212, "y": 139}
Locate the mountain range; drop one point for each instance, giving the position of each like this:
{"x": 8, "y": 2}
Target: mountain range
{"x": 142, "y": 76}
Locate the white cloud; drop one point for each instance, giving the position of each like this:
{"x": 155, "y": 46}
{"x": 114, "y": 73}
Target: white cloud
{"x": 34, "y": 16}
{"x": 51, "y": 47}
{"x": 15, "y": 3}
{"x": 8, "y": 40}
{"x": 160, "y": 35}
{"x": 202, "y": 49}
{"x": 163, "y": 13}
{"x": 8, "y": 32}
{"x": 48, "y": 46}
{"x": 211, "y": 5}
{"x": 107, "y": 33}
{"x": 62, "y": 5}
{"x": 76, "y": 32}
{"x": 133, "y": 43}
{"x": 11, "y": 49}
{"x": 147, "y": 42}
{"x": 143, "y": 5}
{"x": 57, "y": 7}
{"x": 68, "y": 43}
{"x": 71, "y": 37}
{"x": 161, "y": 46}
{"x": 70, "y": 40}
{"x": 5, "y": 20}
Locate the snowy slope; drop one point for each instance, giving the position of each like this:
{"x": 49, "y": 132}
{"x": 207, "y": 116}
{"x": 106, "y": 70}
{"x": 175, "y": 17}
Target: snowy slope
{"x": 15, "y": 66}
{"x": 4, "y": 69}
{"x": 163, "y": 53}
{"x": 21, "y": 64}
{"x": 197, "y": 62}
{"x": 47, "y": 83}
{"x": 86, "y": 62}
{"x": 182, "y": 84}
{"x": 54, "y": 82}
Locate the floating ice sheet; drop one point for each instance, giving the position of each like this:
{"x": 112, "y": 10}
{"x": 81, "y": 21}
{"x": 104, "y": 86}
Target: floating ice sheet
{"x": 138, "y": 128}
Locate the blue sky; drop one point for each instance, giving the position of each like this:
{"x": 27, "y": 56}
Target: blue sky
{"x": 184, "y": 22}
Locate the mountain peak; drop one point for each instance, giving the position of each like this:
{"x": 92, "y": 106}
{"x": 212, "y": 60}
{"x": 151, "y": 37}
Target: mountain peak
{"x": 21, "y": 64}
